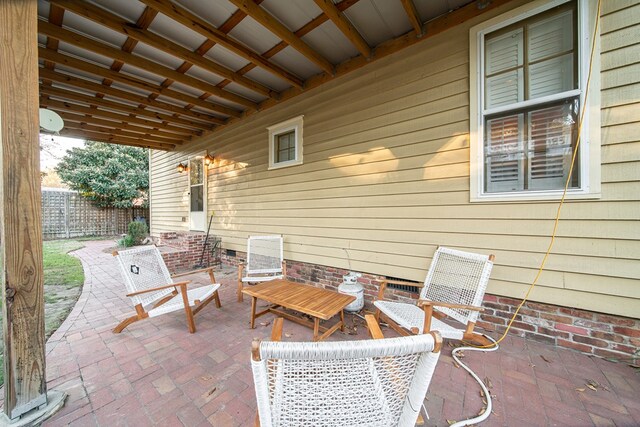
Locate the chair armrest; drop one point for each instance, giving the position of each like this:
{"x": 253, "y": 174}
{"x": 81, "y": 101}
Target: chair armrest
{"x": 424, "y": 302}
{"x": 374, "y": 328}
{"x": 159, "y": 288}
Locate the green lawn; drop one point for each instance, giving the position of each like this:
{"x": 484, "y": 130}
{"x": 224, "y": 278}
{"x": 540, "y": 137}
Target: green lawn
{"x": 63, "y": 279}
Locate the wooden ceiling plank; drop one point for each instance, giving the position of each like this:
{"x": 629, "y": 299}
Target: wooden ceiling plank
{"x": 93, "y": 136}
{"x": 138, "y": 61}
{"x": 119, "y": 132}
{"x": 81, "y": 118}
{"x": 75, "y": 108}
{"x": 345, "y": 26}
{"x": 276, "y": 27}
{"x": 412, "y": 14}
{"x": 100, "y": 102}
{"x": 97, "y": 70}
{"x": 202, "y": 27}
{"x": 123, "y": 94}
{"x": 115, "y": 23}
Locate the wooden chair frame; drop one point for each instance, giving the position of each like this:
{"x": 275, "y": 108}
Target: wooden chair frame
{"x": 141, "y": 313}
{"x": 429, "y": 313}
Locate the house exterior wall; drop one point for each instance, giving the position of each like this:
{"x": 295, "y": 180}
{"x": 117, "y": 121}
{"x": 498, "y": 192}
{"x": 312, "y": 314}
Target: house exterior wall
{"x": 385, "y": 178}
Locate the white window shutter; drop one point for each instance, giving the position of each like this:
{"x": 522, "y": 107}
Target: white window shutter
{"x": 550, "y": 137}
{"x": 504, "y": 61}
{"x": 504, "y": 154}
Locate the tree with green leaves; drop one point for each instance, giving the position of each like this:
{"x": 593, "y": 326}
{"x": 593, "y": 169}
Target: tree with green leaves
{"x": 108, "y": 174}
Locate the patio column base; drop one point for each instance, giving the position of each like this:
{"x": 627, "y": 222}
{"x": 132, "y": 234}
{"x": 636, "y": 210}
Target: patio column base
{"x": 55, "y": 401}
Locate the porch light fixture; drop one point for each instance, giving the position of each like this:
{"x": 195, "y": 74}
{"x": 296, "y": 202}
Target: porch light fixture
{"x": 208, "y": 159}
{"x": 182, "y": 167}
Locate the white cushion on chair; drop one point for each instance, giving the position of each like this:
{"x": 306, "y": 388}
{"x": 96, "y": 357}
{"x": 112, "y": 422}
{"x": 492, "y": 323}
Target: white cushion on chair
{"x": 411, "y": 316}
{"x": 176, "y": 302}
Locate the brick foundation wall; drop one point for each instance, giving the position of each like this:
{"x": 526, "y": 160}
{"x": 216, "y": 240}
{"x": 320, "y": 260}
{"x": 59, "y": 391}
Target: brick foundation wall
{"x": 612, "y": 337}
{"x": 182, "y": 251}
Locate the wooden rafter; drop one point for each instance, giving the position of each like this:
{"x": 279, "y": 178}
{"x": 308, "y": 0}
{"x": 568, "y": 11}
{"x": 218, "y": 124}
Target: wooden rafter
{"x": 200, "y": 26}
{"x": 115, "y": 23}
{"x": 345, "y": 26}
{"x": 56, "y": 16}
{"x": 96, "y": 121}
{"x": 305, "y": 29}
{"x": 80, "y": 109}
{"x": 277, "y": 28}
{"x": 412, "y": 14}
{"x": 93, "y": 136}
{"x": 126, "y": 79}
{"x": 68, "y": 124}
{"x": 137, "y": 61}
{"x": 46, "y": 74}
{"x": 124, "y": 108}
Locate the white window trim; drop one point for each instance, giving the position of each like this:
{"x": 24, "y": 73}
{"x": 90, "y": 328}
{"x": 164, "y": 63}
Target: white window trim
{"x": 294, "y": 124}
{"x": 589, "y": 186}
{"x": 205, "y": 187}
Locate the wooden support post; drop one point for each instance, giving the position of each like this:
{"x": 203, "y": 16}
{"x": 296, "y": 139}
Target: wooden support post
{"x": 21, "y": 268}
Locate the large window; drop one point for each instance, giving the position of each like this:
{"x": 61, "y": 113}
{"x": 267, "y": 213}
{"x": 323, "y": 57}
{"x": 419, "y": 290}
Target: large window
{"x": 530, "y": 86}
{"x": 285, "y": 143}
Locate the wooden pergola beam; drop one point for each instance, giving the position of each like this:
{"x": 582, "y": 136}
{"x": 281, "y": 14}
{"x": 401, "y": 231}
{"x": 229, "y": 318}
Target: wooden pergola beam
{"x": 21, "y": 268}
{"x": 68, "y": 124}
{"x": 124, "y": 108}
{"x": 412, "y": 14}
{"x": 56, "y": 15}
{"x": 140, "y": 62}
{"x": 343, "y": 24}
{"x": 115, "y": 23}
{"x": 277, "y": 28}
{"x": 46, "y": 74}
{"x": 128, "y": 80}
{"x": 108, "y": 138}
{"x": 195, "y": 23}
{"x": 75, "y": 108}
{"x": 95, "y": 121}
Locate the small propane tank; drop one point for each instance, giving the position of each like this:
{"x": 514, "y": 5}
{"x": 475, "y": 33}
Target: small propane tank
{"x": 350, "y": 286}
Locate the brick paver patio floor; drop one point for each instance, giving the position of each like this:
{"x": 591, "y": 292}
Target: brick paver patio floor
{"x": 156, "y": 373}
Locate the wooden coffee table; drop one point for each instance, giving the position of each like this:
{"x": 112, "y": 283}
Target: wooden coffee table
{"x": 318, "y": 303}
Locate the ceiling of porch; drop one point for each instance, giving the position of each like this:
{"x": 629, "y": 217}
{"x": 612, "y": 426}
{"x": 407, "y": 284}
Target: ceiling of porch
{"x": 159, "y": 73}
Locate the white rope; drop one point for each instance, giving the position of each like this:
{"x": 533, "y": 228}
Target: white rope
{"x": 487, "y": 394}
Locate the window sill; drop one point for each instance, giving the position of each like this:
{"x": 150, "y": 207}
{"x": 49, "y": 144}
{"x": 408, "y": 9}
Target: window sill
{"x": 284, "y": 164}
{"x": 533, "y": 197}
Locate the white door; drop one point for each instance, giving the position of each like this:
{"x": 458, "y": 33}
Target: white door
{"x": 197, "y": 194}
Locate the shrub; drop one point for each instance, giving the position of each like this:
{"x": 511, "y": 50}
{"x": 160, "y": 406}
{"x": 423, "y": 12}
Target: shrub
{"x": 137, "y": 232}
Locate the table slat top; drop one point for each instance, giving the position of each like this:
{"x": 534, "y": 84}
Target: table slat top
{"x": 307, "y": 299}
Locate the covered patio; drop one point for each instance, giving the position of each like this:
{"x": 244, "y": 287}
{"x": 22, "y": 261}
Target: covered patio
{"x": 155, "y": 373}
{"x": 401, "y": 156}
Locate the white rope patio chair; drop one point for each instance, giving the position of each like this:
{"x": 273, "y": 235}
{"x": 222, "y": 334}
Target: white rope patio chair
{"x": 374, "y": 383}
{"x": 265, "y": 261}
{"x": 153, "y": 291}
{"x": 455, "y": 286}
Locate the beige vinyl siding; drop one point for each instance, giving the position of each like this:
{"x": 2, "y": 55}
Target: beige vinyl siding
{"x": 385, "y": 179}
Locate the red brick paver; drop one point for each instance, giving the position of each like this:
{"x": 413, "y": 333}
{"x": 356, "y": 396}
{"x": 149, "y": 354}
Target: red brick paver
{"x": 156, "y": 373}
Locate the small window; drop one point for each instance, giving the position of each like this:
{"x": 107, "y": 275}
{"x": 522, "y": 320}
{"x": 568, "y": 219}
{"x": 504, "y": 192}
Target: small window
{"x": 285, "y": 143}
{"x": 530, "y": 84}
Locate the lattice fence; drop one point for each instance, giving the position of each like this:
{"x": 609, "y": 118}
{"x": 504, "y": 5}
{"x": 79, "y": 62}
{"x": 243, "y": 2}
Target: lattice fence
{"x": 66, "y": 214}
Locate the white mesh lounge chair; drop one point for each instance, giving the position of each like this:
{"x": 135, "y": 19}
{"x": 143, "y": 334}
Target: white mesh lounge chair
{"x": 381, "y": 382}
{"x": 264, "y": 261}
{"x": 455, "y": 285}
{"x": 153, "y": 291}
